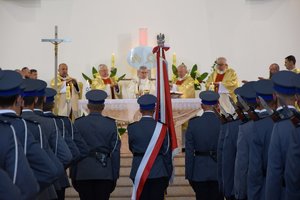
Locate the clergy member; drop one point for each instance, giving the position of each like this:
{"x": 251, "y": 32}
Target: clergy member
{"x": 103, "y": 81}
{"x": 224, "y": 81}
{"x": 142, "y": 85}
{"x": 68, "y": 93}
{"x": 290, "y": 64}
{"x": 184, "y": 83}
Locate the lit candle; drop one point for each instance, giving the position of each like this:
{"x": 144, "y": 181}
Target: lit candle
{"x": 174, "y": 59}
{"x": 113, "y": 64}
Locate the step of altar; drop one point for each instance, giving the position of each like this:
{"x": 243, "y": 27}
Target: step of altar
{"x": 179, "y": 190}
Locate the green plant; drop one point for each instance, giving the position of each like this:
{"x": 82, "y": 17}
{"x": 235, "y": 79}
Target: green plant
{"x": 195, "y": 74}
{"x": 113, "y": 73}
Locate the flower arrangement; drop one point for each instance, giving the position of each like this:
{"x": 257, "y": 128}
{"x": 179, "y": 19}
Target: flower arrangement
{"x": 113, "y": 73}
{"x": 195, "y": 74}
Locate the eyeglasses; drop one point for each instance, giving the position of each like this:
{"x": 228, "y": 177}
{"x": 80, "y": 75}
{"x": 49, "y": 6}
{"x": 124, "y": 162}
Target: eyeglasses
{"x": 220, "y": 64}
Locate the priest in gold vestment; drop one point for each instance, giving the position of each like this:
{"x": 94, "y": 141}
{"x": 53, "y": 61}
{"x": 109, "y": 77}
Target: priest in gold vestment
{"x": 223, "y": 80}
{"x": 103, "y": 81}
{"x": 142, "y": 85}
{"x": 184, "y": 83}
{"x": 69, "y": 91}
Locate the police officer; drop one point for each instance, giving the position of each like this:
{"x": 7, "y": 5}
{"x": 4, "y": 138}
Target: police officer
{"x": 229, "y": 153}
{"x": 12, "y": 157}
{"x": 48, "y": 106}
{"x": 259, "y": 147}
{"x": 96, "y": 175}
{"x": 292, "y": 175}
{"x": 139, "y": 136}
{"x": 201, "y": 149}
{"x": 281, "y": 135}
{"x": 35, "y": 97}
{"x": 248, "y": 98}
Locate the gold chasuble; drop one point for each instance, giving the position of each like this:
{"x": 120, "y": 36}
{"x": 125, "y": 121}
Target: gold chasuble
{"x": 296, "y": 70}
{"x": 108, "y": 85}
{"x": 186, "y": 86}
{"x": 66, "y": 101}
{"x": 228, "y": 82}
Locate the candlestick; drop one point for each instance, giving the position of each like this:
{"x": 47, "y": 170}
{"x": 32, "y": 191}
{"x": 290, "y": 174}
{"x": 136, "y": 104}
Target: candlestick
{"x": 174, "y": 59}
{"x": 113, "y": 59}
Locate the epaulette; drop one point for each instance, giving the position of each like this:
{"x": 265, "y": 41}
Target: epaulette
{"x": 31, "y": 121}
{"x": 131, "y": 124}
{"x": 11, "y": 116}
{"x": 196, "y": 117}
{"x": 5, "y": 122}
{"x": 110, "y": 118}
{"x": 80, "y": 117}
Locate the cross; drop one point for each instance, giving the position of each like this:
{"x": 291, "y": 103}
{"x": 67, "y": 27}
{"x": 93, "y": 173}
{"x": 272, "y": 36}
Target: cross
{"x": 56, "y": 41}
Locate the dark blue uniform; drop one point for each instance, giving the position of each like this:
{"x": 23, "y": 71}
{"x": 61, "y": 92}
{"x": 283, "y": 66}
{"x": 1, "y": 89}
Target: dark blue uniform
{"x": 201, "y": 150}
{"x": 242, "y": 160}
{"x": 15, "y": 164}
{"x": 258, "y": 157}
{"x": 223, "y": 130}
{"x": 43, "y": 168}
{"x": 229, "y": 155}
{"x": 292, "y": 172}
{"x": 8, "y": 191}
{"x": 281, "y": 136}
{"x": 100, "y": 169}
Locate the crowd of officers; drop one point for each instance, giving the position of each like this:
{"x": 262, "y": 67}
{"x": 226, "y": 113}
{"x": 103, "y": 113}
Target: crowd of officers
{"x": 253, "y": 154}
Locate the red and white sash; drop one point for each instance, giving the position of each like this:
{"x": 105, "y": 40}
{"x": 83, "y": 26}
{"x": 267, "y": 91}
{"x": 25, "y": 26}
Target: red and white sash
{"x": 148, "y": 160}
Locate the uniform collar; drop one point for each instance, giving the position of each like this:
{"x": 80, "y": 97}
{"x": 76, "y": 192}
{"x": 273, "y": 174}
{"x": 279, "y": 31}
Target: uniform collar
{"x": 6, "y": 111}
{"x": 289, "y": 106}
{"x": 27, "y": 110}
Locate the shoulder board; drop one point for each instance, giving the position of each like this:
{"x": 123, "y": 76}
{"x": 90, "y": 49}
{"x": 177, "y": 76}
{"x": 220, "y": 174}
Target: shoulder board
{"x": 5, "y": 122}
{"x": 80, "y": 117}
{"x": 11, "y": 116}
{"x": 63, "y": 117}
{"x": 131, "y": 124}
{"x": 31, "y": 121}
{"x": 196, "y": 117}
{"x": 110, "y": 118}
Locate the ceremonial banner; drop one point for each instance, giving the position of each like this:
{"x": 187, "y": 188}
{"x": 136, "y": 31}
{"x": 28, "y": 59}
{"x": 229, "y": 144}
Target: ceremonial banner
{"x": 163, "y": 114}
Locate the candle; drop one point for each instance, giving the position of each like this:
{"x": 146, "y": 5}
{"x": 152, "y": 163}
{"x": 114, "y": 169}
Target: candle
{"x": 113, "y": 60}
{"x": 174, "y": 59}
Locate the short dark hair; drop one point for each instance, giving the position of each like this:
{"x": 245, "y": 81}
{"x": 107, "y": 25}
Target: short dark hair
{"x": 25, "y": 68}
{"x": 95, "y": 107}
{"x": 33, "y": 70}
{"x": 6, "y": 101}
{"x": 28, "y": 101}
{"x": 291, "y": 58}
{"x": 40, "y": 102}
{"x": 48, "y": 106}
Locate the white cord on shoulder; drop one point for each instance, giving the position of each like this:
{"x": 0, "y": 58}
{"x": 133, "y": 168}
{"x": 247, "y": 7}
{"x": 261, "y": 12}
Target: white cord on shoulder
{"x": 26, "y": 136}
{"x": 56, "y": 129}
{"x": 16, "y": 154}
{"x": 41, "y": 136}
{"x": 63, "y": 124}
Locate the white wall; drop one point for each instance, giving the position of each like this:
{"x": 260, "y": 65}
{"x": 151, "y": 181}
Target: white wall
{"x": 250, "y": 33}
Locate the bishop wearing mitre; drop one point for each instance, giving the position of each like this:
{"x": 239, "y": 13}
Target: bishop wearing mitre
{"x": 223, "y": 80}
{"x": 142, "y": 85}
{"x": 68, "y": 93}
{"x": 103, "y": 81}
{"x": 184, "y": 83}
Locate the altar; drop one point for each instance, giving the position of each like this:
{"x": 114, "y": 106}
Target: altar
{"x": 126, "y": 111}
